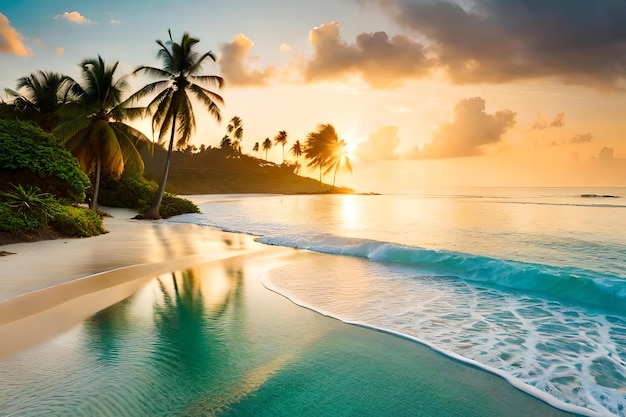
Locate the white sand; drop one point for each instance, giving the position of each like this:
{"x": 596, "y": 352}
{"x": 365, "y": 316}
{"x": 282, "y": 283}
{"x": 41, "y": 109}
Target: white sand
{"x": 83, "y": 276}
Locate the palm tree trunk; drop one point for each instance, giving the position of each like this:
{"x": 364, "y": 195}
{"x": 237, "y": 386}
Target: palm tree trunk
{"x": 153, "y": 212}
{"x": 96, "y": 187}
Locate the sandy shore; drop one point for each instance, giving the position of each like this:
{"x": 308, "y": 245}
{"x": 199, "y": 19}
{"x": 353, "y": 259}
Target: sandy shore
{"x": 83, "y": 276}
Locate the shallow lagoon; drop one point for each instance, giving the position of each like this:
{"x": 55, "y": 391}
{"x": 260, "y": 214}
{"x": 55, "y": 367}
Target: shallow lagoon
{"x": 211, "y": 340}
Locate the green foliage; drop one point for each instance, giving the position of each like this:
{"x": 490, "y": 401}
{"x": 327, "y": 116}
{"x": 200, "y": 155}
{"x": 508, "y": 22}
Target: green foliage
{"x": 130, "y": 191}
{"x": 134, "y": 192}
{"x": 78, "y": 222}
{"x": 30, "y": 155}
{"x": 10, "y": 221}
{"x": 29, "y": 201}
{"x": 172, "y": 205}
{"x": 28, "y": 210}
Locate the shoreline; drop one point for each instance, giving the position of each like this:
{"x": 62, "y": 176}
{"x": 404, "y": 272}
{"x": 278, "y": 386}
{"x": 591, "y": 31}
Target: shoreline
{"x": 83, "y": 292}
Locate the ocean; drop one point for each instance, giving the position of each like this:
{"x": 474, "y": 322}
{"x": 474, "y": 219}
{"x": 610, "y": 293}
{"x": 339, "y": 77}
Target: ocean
{"x": 527, "y": 283}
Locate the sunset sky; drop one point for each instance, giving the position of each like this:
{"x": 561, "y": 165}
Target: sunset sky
{"x": 426, "y": 92}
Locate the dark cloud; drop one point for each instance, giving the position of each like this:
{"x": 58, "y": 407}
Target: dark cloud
{"x": 470, "y": 129}
{"x": 383, "y": 62}
{"x": 235, "y": 62}
{"x": 574, "y": 41}
{"x": 380, "y": 146}
{"x": 582, "y": 138}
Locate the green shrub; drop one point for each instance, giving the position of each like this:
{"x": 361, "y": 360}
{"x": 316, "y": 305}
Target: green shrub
{"x": 78, "y": 222}
{"x": 135, "y": 192}
{"x": 30, "y": 156}
{"x": 13, "y": 222}
{"x": 29, "y": 201}
{"x": 130, "y": 191}
{"x": 172, "y": 205}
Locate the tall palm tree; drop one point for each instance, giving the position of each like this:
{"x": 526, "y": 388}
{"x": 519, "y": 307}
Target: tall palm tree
{"x": 339, "y": 159}
{"x": 281, "y": 138}
{"x": 44, "y": 93}
{"x": 93, "y": 127}
{"x": 235, "y": 127}
{"x": 297, "y": 149}
{"x": 171, "y": 108}
{"x": 319, "y": 146}
{"x": 267, "y": 145}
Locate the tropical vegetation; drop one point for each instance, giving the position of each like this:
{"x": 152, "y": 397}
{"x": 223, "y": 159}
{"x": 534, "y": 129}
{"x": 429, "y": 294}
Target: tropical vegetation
{"x": 325, "y": 151}
{"x": 93, "y": 127}
{"x": 49, "y": 188}
{"x": 42, "y": 181}
{"x": 171, "y": 108}
{"x": 44, "y": 93}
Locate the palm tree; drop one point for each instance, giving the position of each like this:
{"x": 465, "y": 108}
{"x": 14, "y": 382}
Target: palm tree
{"x": 226, "y": 143}
{"x": 235, "y": 126}
{"x": 317, "y": 148}
{"x": 324, "y": 150}
{"x": 267, "y": 145}
{"x": 297, "y": 149}
{"x": 171, "y": 108}
{"x": 282, "y": 139}
{"x": 94, "y": 130}
{"x": 255, "y": 148}
{"x": 339, "y": 159}
{"x": 45, "y": 92}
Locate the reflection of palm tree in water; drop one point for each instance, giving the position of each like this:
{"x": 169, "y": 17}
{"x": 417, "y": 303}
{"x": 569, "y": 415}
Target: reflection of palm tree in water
{"x": 106, "y": 330}
{"x": 199, "y": 345}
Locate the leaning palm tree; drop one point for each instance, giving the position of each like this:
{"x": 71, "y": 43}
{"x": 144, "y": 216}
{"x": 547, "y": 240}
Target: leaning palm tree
{"x": 235, "y": 127}
{"x": 339, "y": 160}
{"x": 281, "y": 138}
{"x": 320, "y": 147}
{"x": 44, "y": 93}
{"x": 92, "y": 125}
{"x": 171, "y": 108}
{"x": 297, "y": 149}
{"x": 267, "y": 145}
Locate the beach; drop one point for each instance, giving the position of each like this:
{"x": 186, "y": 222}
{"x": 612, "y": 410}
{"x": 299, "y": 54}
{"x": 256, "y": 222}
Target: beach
{"x": 266, "y": 356}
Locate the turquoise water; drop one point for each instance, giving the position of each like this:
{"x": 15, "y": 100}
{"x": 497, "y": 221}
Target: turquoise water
{"x": 527, "y": 282}
{"x": 212, "y": 341}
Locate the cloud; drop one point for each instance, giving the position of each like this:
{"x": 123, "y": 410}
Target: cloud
{"x": 541, "y": 123}
{"x": 114, "y": 22}
{"x": 380, "y": 146}
{"x": 381, "y": 61}
{"x": 11, "y": 39}
{"x": 583, "y": 138}
{"x": 60, "y": 51}
{"x": 235, "y": 64}
{"x": 574, "y": 41}
{"x": 76, "y": 17}
{"x": 558, "y": 121}
{"x": 469, "y": 130}
{"x": 284, "y": 48}
{"x": 606, "y": 155}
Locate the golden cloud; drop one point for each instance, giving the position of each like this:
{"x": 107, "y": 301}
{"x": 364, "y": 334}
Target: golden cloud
{"x": 11, "y": 39}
